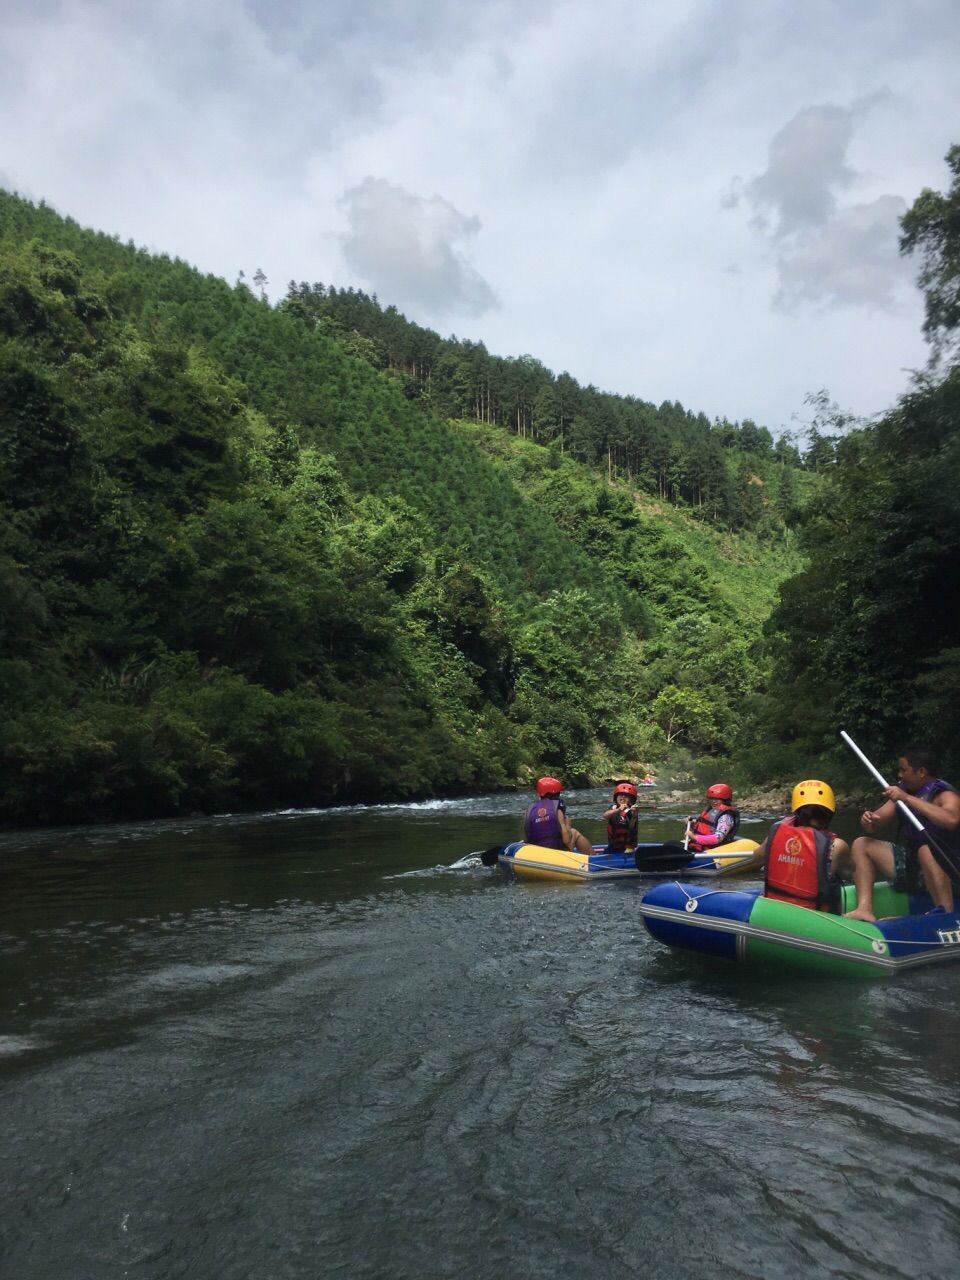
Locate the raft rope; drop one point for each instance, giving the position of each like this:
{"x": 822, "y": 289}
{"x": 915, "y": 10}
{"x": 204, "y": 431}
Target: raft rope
{"x": 697, "y": 897}
{"x": 694, "y": 898}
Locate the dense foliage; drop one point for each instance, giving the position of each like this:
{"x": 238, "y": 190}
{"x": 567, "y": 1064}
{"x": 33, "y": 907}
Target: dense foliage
{"x": 868, "y": 634}
{"x": 668, "y": 451}
{"x": 248, "y": 560}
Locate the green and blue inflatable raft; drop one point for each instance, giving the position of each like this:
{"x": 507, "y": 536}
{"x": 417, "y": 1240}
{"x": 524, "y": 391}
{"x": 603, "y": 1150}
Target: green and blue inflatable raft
{"x": 759, "y": 932}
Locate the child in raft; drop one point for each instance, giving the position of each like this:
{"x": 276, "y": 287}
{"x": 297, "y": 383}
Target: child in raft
{"x": 800, "y": 856}
{"x": 621, "y": 819}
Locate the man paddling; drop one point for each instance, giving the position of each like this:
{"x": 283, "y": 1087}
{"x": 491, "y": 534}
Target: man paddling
{"x": 909, "y": 862}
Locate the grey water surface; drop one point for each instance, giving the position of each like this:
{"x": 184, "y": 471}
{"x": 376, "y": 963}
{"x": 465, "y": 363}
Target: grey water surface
{"x": 318, "y": 1044}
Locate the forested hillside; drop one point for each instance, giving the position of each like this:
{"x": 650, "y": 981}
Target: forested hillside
{"x": 255, "y": 555}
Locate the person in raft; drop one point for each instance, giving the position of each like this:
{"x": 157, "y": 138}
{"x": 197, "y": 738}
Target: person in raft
{"x": 546, "y": 822}
{"x": 908, "y": 863}
{"x": 717, "y": 824}
{"x": 800, "y": 856}
{"x": 621, "y": 819}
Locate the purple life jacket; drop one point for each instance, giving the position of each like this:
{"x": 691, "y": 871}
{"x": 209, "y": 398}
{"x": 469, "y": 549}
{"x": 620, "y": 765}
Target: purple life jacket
{"x": 908, "y": 835}
{"x": 541, "y": 825}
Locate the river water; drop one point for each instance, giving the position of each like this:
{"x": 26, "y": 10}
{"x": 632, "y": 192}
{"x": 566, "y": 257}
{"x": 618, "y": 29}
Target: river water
{"x": 334, "y": 1044}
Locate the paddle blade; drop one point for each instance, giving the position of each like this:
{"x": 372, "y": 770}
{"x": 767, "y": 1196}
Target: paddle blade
{"x": 662, "y": 859}
{"x": 490, "y": 857}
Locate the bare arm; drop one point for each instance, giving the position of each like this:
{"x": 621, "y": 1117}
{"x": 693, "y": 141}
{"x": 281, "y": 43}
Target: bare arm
{"x": 942, "y": 811}
{"x": 762, "y": 854}
{"x": 873, "y": 819}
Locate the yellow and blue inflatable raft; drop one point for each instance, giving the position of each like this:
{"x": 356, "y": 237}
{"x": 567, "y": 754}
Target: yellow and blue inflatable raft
{"x": 647, "y": 861}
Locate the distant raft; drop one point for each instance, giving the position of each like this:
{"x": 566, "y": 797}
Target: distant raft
{"x": 648, "y": 861}
{"x": 760, "y": 932}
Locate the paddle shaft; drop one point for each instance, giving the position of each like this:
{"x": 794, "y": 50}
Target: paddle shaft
{"x": 904, "y": 808}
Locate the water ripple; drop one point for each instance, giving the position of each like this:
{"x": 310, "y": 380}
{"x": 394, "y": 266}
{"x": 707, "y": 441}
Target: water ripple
{"x": 227, "y": 1059}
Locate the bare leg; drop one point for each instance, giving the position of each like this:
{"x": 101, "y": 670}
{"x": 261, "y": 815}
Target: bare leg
{"x": 872, "y": 860}
{"x": 936, "y": 879}
{"x": 841, "y": 864}
{"x": 579, "y": 842}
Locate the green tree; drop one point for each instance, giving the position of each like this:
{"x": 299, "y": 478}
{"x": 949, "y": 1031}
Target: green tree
{"x": 685, "y": 715}
{"x": 931, "y": 229}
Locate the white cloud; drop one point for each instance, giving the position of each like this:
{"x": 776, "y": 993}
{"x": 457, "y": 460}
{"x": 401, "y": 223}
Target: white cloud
{"x": 564, "y": 158}
{"x": 807, "y": 168}
{"x": 407, "y": 248}
{"x": 826, "y": 251}
{"x": 851, "y": 260}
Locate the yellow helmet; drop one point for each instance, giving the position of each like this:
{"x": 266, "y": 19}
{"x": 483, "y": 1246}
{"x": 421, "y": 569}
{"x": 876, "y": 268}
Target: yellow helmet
{"x": 813, "y": 792}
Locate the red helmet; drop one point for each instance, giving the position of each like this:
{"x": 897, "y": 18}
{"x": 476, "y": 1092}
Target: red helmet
{"x": 549, "y": 788}
{"x": 625, "y": 789}
{"x": 719, "y": 791}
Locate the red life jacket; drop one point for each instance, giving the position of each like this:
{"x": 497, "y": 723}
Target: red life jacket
{"x": 797, "y": 866}
{"x": 621, "y": 831}
{"x": 706, "y": 824}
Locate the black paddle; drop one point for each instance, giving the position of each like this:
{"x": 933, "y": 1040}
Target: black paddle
{"x": 945, "y": 856}
{"x": 490, "y": 857}
{"x": 663, "y": 859}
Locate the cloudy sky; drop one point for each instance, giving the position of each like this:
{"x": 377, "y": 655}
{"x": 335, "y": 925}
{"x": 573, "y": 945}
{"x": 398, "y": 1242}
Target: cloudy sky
{"x": 695, "y": 201}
